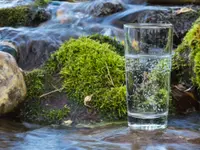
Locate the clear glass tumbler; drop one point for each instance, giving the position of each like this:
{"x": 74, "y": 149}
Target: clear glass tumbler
{"x": 148, "y": 50}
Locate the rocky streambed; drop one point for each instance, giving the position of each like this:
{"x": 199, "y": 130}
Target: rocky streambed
{"x": 36, "y": 40}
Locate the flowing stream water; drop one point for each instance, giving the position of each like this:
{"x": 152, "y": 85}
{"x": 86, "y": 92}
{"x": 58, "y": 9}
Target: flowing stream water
{"x": 68, "y": 20}
{"x": 73, "y": 20}
{"x": 183, "y": 133}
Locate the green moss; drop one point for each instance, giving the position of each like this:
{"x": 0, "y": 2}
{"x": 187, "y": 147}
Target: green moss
{"x": 112, "y": 103}
{"x": 14, "y": 16}
{"x": 81, "y": 68}
{"x": 180, "y": 58}
{"x": 41, "y": 3}
{"x": 35, "y": 83}
{"x": 118, "y": 47}
{"x": 184, "y": 60}
{"x": 22, "y": 16}
{"x": 88, "y": 67}
{"x": 33, "y": 111}
{"x": 197, "y": 69}
{"x": 35, "y": 108}
{"x": 56, "y": 115}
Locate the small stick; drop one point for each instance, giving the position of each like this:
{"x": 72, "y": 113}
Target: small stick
{"x": 54, "y": 91}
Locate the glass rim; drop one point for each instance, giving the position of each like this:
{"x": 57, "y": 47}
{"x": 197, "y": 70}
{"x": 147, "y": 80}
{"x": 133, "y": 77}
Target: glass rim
{"x": 148, "y": 25}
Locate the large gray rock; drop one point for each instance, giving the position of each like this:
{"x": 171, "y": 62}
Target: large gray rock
{"x": 12, "y": 85}
{"x": 102, "y": 8}
{"x": 181, "y": 19}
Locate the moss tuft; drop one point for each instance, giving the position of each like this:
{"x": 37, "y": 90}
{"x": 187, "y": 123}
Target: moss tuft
{"x": 22, "y": 16}
{"x": 112, "y": 103}
{"x": 88, "y": 67}
{"x": 41, "y": 3}
{"x": 33, "y": 111}
{"x": 185, "y": 59}
{"x": 197, "y": 69}
{"x": 14, "y": 16}
{"x": 35, "y": 83}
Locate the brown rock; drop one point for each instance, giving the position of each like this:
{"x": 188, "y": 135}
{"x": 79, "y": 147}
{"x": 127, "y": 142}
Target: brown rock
{"x": 12, "y": 85}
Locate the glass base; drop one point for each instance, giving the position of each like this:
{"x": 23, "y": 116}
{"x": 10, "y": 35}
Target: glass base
{"x": 147, "y": 127}
{"x": 149, "y": 124}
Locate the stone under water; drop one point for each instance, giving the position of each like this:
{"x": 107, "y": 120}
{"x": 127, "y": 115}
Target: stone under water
{"x": 12, "y": 85}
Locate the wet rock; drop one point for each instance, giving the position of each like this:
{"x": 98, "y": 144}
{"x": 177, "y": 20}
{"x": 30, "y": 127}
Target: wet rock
{"x": 9, "y": 48}
{"x": 102, "y": 8}
{"x": 36, "y": 45}
{"x": 186, "y": 71}
{"x": 185, "y": 100}
{"x": 173, "y": 1}
{"x": 134, "y": 1}
{"x": 181, "y": 20}
{"x": 23, "y": 16}
{"x": 12, "y": 85}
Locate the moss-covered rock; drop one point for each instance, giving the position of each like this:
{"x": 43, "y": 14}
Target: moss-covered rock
{"x": 186, "y": 71}
{"x": 38, "y": 107}
{"x": 88, "y": 74}
{"x": 23, "y": 16}
{"x": 185, "y": 57}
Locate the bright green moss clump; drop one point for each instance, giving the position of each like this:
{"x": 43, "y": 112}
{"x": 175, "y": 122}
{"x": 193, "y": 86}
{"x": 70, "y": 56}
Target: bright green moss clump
{"x": 80, "y": 69}
{"x": 197, "y": 69}
{"x": 90, "y": 68}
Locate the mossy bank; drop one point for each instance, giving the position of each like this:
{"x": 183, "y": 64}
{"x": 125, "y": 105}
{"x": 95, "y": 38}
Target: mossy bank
{"x": 85, "y": 78}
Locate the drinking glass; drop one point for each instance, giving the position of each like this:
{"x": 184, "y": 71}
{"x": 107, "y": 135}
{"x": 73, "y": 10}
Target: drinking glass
{"x": 148, "y": 50}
